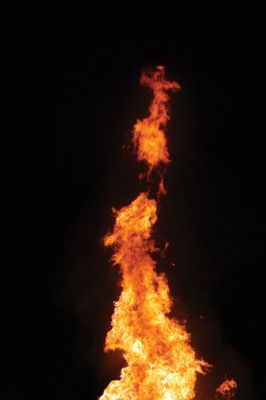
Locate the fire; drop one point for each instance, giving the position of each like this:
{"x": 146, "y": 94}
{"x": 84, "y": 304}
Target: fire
{"x": 227, "y": 389}
{"x": 161, "y": 363}
{"x": 148, "y": 134}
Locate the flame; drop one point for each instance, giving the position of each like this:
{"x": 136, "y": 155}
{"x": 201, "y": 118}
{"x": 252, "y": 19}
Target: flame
{"x": 227, "y": 389}
{"x": 161, "y": 363}
{"x": 148, "y": 134}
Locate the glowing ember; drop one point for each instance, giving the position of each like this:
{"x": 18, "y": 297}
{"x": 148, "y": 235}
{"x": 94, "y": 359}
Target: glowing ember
{"x": 161, "y": 364}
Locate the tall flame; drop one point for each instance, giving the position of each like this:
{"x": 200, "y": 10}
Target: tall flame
{"x": 161, "y": 363}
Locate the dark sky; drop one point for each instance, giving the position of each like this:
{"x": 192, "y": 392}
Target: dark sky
{"x": 70, "y": 98}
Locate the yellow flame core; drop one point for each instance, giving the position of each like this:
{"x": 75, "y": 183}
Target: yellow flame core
{"x": 161, "y": 363}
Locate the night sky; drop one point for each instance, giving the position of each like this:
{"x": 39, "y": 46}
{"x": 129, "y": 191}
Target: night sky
{"x": 71, "y": 95}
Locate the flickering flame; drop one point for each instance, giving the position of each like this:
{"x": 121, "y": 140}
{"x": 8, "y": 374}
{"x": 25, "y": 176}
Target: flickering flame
{"x": 161, "y": 363}
{"x": 148, "y": 134}
{"x": 227, "y": 389}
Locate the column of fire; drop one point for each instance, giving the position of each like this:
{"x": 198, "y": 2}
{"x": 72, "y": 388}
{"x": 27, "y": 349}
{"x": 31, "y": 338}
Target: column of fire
{"x": 160, "y": 361}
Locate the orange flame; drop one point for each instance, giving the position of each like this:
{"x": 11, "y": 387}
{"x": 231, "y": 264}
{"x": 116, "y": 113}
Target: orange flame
{"x": 148, "y": 134}
{"x": 227, "y": 389}
{"x": 161, "y": 363}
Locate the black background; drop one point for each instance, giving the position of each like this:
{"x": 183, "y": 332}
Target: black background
{"x": 70, "y": 98}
